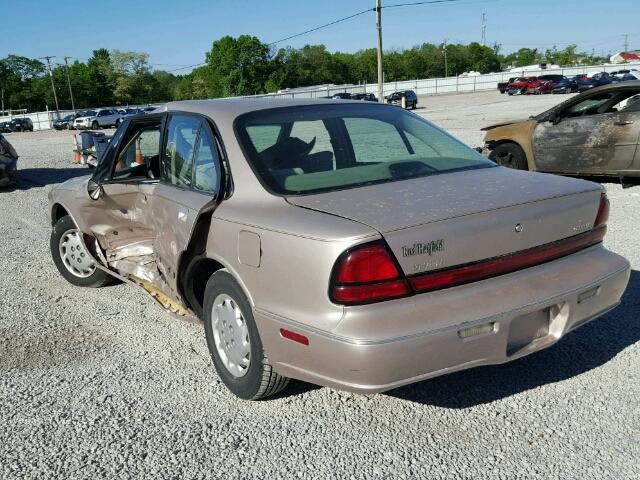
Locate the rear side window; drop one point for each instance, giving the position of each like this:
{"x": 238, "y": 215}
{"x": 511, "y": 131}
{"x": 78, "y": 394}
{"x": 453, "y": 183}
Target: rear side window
{"x": 180, "y": 146}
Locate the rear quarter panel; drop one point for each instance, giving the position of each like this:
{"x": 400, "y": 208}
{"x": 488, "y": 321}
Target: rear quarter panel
{"x": 298, "y": 249}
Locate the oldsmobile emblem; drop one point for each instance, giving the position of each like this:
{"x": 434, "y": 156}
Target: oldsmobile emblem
{"x": 422, "y": 248}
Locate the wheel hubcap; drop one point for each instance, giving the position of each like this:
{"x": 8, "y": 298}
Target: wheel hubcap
{"x": 74, "y": 256}
{"x": 231, "y": 335}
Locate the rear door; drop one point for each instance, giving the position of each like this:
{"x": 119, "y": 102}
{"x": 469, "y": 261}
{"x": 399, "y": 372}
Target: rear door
{"x": 589, "y": 136}
{"x": 189, "y": 185}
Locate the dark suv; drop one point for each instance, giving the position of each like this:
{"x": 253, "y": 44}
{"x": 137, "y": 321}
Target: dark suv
{"x": 21, "y": 125}
{"x": 410, "y": 98}
{"x": 366, "y": 97}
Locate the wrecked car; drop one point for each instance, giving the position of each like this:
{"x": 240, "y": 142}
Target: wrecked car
{"x": 343, "y": 243}
{"x": 523, "y": 86}
{"x": 594, "y": 133}
{"x": 8, "y": 163}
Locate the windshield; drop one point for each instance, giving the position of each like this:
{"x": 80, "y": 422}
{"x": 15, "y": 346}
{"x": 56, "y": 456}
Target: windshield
{"x": 314, "y": 148}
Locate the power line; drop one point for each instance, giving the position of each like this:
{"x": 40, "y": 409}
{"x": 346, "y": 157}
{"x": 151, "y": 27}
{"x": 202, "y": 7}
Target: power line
{"x": 357, "y": 14}
{"x": 325, "y": 26}
{"x": 411, "y": 4}
{"x": 187, "y": 66}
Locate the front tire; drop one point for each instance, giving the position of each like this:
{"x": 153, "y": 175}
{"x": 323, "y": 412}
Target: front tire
{"x": 509, "y": 155}
{"x": 234, "y": 342}
{"x": 74, "y": 263}
{"x": 95, "y": 125}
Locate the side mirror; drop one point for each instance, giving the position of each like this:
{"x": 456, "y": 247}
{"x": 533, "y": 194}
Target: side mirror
{"x": 555, "y": 118}
{"x": 94, "y": 190}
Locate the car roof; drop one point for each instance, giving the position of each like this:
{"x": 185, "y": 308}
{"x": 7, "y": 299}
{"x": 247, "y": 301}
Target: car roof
{"x": 234, "y": 107}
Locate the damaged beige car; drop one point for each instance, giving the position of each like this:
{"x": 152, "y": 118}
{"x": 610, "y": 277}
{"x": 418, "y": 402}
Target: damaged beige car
{"x": 594, "y": 133}
{"x": 347, "y": 244}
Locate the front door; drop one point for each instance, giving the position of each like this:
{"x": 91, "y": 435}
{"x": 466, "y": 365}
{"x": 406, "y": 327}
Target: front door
{"x": 590, "y": 136}
{"x": 117, "y": 218}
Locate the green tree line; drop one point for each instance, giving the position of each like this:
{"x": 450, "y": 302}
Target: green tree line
{"x": 246, "y": 66}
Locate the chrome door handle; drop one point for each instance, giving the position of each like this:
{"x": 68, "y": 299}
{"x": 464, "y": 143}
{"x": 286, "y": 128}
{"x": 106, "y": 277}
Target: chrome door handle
{"x": 627, "y": 122}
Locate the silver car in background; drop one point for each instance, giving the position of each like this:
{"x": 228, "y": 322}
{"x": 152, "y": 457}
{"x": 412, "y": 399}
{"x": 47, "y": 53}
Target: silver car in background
{"x": 103, "y": 118}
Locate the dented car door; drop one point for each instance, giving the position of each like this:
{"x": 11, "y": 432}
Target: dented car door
{"x": 190, "y": 180}
{"x": 117, "y": 218}
{"x": 582, "y": 139}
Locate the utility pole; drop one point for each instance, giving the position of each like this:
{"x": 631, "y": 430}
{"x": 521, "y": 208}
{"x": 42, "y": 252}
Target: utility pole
{"x": 484, "y": 29}
{"x": 66, "y": 65}
{"x": 444, "y": 49}
{"x": 379, "y": 30}
{"x": 53, "y": 87}
{"x": 2, "y": 101}
{"x": 626, "y": 42}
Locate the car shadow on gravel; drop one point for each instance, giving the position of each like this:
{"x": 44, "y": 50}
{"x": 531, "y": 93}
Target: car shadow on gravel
{"x": 40, "y": 177}
{"x": 580, "y": 351}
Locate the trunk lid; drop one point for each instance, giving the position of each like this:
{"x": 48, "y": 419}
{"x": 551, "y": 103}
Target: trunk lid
{"x": 450, "y": 219}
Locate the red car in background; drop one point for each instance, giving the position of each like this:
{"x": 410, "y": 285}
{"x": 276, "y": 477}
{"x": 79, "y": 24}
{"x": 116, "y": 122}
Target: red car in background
{"x": 548, "y": 83}
{"x": 523, "y": 85}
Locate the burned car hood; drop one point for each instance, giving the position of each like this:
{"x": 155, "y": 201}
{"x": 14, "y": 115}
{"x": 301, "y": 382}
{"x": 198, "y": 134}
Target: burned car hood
{"x": 502, "y": 124}
{"x": 396, "y": 205}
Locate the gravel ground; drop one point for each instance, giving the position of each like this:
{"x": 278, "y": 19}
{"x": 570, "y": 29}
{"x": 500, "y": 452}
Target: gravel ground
{"x": 104, "y": 384}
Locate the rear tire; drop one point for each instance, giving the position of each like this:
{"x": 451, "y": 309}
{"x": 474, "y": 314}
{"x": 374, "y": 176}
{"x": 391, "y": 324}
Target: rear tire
{"x": 234, "y": 342}
{"x": 71, "y": 258}
{"x": 509, "y": 155}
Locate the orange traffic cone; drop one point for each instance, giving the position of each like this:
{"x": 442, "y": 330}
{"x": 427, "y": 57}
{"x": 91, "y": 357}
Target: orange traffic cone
{"x": 139, "y": 159}
{"x": 76, "y": 149}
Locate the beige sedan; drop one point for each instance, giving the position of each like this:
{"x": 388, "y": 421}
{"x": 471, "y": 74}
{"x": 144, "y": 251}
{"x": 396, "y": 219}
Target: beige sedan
{"x": 346, "y": 244}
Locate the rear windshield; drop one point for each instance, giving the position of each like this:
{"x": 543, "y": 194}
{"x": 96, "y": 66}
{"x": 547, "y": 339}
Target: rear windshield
{"x": 316, "y": 148}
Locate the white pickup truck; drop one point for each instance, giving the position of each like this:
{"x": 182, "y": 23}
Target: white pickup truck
{"x": 104, "y": 117}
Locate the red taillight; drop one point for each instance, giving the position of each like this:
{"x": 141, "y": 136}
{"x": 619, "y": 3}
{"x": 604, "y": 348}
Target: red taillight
{"x": 509, "y": 263}
{"x": 603, "y": 212}
{"x": 370, "y": 263}
{"x": 367, "y": 274}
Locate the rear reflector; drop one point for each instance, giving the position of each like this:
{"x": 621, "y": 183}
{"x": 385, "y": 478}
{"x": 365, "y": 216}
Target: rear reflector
{"x": 296, "y": 337}
{"x": 492, "y": 267}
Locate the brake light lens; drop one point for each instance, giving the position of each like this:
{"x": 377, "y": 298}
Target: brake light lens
{"x": 366, "y": 274}
{"x": 603, "y": 212}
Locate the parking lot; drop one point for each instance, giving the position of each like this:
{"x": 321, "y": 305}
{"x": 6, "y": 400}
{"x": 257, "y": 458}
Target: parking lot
{"x": 102, "y": 383}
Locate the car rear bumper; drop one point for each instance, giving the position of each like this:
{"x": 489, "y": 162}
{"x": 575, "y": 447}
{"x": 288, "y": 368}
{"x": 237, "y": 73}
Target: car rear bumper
{"x": 489, "y": 322}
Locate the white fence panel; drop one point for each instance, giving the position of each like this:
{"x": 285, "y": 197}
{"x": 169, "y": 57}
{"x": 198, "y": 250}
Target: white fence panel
{"x": 40, "y": 120}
